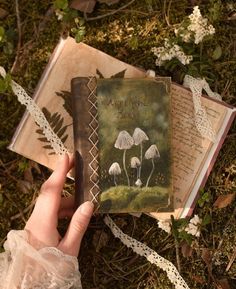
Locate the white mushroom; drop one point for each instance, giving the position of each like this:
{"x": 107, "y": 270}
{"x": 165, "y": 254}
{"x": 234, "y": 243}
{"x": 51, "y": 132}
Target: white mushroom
{"x": 124, "y": 141}
{"x": 114, "y": 170}
{"x": 138, "y": 183}
{"x": 151, "y": 153}
{"x": 135, "y": 164}
{"x": 139, "y": 137}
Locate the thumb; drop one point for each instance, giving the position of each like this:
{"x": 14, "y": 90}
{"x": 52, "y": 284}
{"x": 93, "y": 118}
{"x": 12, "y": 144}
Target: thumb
{"x": 70, "y": 244}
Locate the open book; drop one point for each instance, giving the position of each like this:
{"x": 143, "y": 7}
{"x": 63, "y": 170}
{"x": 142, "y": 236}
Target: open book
{"x": 193, "y": 156}
{"x": 122, "y": 137}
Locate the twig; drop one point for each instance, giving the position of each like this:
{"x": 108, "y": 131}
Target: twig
{"x": 167, "y": 13}
{"x": 108, "y": 14}
{"x": 19, "y": 37}
{"x": 177, "y": 255}
{"x": 232, "y": 259}
{"x": 24, "y": 211}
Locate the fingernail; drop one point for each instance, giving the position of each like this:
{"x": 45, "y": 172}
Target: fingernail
{"x": 87, "y": 209}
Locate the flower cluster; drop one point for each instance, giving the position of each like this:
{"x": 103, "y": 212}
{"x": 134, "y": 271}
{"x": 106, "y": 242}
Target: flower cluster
{"x": 193, "y": 226}
{"x": 170, "y": 51}
{"x": 164, "y": 225}
{"x": 197, "y": 29}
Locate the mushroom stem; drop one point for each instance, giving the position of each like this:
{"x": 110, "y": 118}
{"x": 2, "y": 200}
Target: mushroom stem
{"x": 153, "y": 167}
{"x": 137, "y": 172}
{"x": 115, "y": 180}
{"x": 141, "y": 159}
{"x": 125, "y": 168}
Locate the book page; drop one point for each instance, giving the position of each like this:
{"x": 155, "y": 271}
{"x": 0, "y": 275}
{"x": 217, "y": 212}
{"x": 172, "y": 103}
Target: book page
{"x": 189, "y": 149}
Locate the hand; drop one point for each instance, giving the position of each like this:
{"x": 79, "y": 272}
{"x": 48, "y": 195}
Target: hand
{"x": 42, "y": 224}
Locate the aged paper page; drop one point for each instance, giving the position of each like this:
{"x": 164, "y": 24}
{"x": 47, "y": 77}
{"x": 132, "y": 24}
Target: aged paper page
{"x": 189, "y": 149}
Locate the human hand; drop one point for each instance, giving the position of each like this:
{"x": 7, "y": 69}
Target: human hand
{"x": 42, "y": 224}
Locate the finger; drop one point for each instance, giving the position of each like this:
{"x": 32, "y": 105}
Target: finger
{"x": 48, "y": 202}
{"x": 70, "y": 244}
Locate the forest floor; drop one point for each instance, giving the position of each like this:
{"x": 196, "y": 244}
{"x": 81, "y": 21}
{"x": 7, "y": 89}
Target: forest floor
{"x": 31, "y": 32}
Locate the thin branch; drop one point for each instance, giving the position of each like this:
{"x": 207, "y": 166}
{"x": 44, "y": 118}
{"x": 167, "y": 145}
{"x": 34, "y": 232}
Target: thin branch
{"x": 19, "y": 37}
{"x": 108, "y": 14}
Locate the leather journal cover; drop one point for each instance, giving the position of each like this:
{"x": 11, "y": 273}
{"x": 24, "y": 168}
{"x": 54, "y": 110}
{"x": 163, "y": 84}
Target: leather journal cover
{"x": 122, "y": 140}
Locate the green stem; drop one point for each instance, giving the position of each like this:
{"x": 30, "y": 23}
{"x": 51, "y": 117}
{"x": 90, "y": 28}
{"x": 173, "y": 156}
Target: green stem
{"x": 153, "y": 167}
{"x": 125, "y": 168}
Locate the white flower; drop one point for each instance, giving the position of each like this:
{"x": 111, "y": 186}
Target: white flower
{"x": 196, "y": 30}
{"x": 193, "y": 227}
{"x": 170, "y": 51}
{"x": 164, "y": 225}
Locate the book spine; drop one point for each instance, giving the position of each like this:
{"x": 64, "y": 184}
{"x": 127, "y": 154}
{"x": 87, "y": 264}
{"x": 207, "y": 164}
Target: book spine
{"x": 85, "y": 126}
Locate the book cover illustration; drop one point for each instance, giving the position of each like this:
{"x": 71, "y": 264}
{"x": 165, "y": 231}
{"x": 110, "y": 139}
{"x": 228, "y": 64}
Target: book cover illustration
{"x": 126, "y": 145}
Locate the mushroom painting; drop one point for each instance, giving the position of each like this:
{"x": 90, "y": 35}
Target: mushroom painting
{"x": 151, "y": 154}
{"x": 135, "y": 164}
{"x": 139, "y": 137}
{"x": 114, "y": 171}
{"x": 124, "y": 142}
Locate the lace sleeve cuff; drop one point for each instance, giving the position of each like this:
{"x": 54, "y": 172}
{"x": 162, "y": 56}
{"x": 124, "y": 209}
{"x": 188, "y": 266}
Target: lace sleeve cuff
{"x": 24, "y": 267}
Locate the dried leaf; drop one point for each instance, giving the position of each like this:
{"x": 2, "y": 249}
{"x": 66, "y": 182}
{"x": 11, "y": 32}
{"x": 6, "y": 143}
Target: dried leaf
{"x": 99, "y": 73}
{"x": 198, "y": 279}
{"x": 109, "y": 2}
{"x": 28, "y": 176}
{"x": 186, "y": 249}
{"x": 3, "y": 13}
{"x": 100, "y": 239}
{"x": 224, "y": 201}
{"x": 120, "y": 74}
{"x": 86, "y": 6}
{"x": 206, "y": 256}
{"x": 223, "y": 284}
{"x": 35, "y": 166}
{"x": 24, "y": 186}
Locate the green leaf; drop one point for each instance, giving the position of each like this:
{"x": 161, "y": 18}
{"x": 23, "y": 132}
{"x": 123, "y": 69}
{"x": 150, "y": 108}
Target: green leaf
{"x": 217, "y": 52}
{"x": 2, "y": 34}
{"x": 60, "y": 4}
{"x": 206, "y": 220}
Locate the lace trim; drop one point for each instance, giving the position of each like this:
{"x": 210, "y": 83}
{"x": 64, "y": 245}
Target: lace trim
{"x": 137, "y": 246}
{"x": 38, "y": 116}
{"x": 143, "y": 250}
{"x": 202, "y": 122}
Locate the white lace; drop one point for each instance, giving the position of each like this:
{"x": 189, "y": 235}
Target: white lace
{"x": 38, "y": 116}
{"x": 137, "y": 246}
{"x": 202, "y": 122}
{"x": 24, "y": 267}
{"x": 143, "y": 250}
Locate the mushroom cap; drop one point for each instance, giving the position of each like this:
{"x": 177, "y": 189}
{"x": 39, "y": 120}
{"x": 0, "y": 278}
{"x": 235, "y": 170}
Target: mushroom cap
{"x": 139, "y": 136}
{"x": 152, "y": 152}
{"x": 124, "y": 140}
{"x": 114, "y": 169}
{"x": 135, "y": 162}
